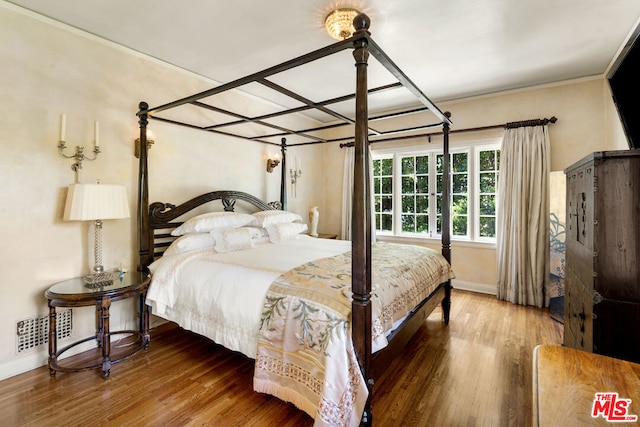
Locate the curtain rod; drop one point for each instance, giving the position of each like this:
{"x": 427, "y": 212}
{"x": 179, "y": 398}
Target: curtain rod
{"x": 534, "y": 122}
{"x": 509, "y": 125}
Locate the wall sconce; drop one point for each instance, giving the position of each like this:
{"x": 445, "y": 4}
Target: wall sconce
{"x": 275, "y": 161}
{"x": 272, "y": 163}
{"x": 79, "y": 155}
{"x": 150, "y": 142}
{"x": 295, "y": 173}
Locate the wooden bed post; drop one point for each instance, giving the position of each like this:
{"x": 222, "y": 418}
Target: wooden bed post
{"x": 283, "y": 174}
{"x": 144, "y": 254}
{"x": 446, "y": 215}
{"x": 361, "y": 218}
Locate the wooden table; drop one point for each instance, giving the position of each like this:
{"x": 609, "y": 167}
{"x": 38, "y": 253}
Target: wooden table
{"x": 75, "y": 293}
{"x": 565, "y": 383}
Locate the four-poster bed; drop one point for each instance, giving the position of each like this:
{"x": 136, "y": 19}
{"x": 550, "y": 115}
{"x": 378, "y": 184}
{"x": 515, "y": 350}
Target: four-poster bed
{"x": 156, "y": 219}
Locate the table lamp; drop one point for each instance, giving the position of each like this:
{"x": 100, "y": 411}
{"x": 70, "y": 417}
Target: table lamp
{"x": 96, "y": 202}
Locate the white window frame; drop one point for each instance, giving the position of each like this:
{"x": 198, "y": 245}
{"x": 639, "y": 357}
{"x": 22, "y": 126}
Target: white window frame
{"x": 476, "y": 217}
{"x": 473, "y": 149}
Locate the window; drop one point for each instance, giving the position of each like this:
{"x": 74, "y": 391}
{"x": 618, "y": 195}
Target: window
{"x": 408, "y": 192}
{"x": 415, "y": 194}
{"x": 383, "y": 193}
{"x": 489, "y": 163}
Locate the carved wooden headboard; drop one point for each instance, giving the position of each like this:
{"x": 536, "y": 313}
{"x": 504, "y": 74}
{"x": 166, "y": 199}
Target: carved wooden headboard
{"x": 162, "y": 215}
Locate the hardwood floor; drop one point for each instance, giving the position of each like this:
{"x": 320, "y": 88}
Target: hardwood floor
{"x": 475, "y": 372}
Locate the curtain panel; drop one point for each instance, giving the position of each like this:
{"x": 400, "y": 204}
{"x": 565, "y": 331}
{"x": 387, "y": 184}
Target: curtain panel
{"x": 523, "y": 216}
{"x": 347, "y": 194}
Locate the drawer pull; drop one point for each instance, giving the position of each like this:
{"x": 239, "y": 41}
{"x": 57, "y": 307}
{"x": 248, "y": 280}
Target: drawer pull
{"x": 597, "y": 298}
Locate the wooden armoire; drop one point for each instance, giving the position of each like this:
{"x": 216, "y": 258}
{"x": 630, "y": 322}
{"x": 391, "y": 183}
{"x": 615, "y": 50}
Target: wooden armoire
{"x": 602, "y": 286}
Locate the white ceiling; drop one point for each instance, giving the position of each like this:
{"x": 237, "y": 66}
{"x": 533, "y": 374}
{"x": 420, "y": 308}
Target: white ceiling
{"x": 450, "y": 49}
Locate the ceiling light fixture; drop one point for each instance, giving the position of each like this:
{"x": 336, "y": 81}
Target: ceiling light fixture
{"x": 339, "y": 23}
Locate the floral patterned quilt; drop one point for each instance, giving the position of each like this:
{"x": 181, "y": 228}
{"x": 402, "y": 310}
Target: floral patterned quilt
{"x": 305, "y": 352}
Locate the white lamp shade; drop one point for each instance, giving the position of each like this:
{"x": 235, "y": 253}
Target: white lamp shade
{"x": 87, "y": 202}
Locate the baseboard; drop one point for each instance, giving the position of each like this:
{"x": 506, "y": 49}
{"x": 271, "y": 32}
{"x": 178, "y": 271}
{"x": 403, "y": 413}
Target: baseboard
{"x": 22, "y": 365}
{"x": 40, "y": 357}
{"x": 482, "y": 288}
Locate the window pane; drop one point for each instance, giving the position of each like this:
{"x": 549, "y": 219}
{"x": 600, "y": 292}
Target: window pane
{"x": 422, "y": 204}
{"x": 387, "y": 220}
{"x": 487, "y": 227}
{"x": 460, "y": 183}
{"x": 460, "y": 163}
{"x": 459, "y": 225}
{"x": 487, "y": 160}
{"x": 439, "y": 186}
{"x": 422, "y": 224}
{"x": 408, "y": 204}
{"x": 422, "y": 184}
{"x": 459, "y": 204}
{"x": 488, "y": 204}
{"x": 387, "y": 166}
{"x": 407, "y": 165}
{"x": 408, "y": 223}
{"x": 488, "y": 182}
{"x": 439, "y": 163}
{"x": 378, "y": 206}
{"x": 387, "y": 203}
{"x": 376, "y": 167}
{"x": 422, "y": 164}
{"x": 408, "y": 185}
{"x": 376, "y": 185}
{"x": 387, "y": 185}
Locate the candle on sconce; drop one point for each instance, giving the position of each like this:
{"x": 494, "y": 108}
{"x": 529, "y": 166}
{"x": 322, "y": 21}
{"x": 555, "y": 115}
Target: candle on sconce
{"x": 63, "y": 126}
{"x": 79, "y": 156}
{"x": 297, "y": 163}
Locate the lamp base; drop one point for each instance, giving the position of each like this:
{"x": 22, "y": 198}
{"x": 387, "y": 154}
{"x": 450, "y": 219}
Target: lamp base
{"x": 97, "y": 280}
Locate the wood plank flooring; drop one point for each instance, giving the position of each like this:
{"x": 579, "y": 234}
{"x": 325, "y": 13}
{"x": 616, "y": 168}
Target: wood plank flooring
{"x": 475, "y": 372}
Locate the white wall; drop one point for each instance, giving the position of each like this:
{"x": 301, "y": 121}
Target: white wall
{"x": 49, "y": 69}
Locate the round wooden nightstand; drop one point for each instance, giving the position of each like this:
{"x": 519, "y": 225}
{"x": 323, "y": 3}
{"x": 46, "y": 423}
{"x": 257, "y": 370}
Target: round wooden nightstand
{"x": 75, "y": 293}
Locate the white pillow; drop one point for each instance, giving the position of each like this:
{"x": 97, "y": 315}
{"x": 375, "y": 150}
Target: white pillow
{"x": 285, "y": 231}
{"x": 264, "y": 218}
{"x": 209, "y": 221}
{"x": 259, "y": 236}
{"x": 190, "y": 242}
{"x": 232, "y": 239}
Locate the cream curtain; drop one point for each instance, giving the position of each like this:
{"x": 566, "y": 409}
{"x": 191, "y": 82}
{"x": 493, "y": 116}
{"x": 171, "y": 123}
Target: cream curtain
{"x": 523, "y": 216}
{"x": 347, "y": 195}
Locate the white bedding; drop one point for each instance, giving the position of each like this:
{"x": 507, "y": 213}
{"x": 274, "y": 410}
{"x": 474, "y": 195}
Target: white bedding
{"x": 225, "y": 303}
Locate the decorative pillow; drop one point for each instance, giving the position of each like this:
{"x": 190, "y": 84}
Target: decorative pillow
{"x": 232, "y": 239}
{"x": 206, "y": 222}
{"x": 259, "y": 236}
{"x": 190, "y": 242}
{"x": 285, "y": 231}
{"x": 264, "y": 218}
